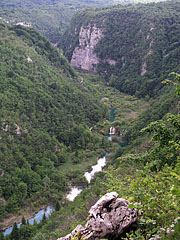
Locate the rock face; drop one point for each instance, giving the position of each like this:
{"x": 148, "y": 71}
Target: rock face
{"x": 83, "y": 56}
{"x": 108, "y": 218}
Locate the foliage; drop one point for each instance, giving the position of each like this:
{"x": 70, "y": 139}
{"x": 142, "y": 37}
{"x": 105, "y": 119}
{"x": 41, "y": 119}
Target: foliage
{"x": 50, "y": 17}
{"x": 154, "y": 188}
{"x": 45, "y": 117}
{"x": 39, "y": 236}
{"x": 159, "y": 106}
{"x": 15, "y": 233}
{"x": 144, "y": 53}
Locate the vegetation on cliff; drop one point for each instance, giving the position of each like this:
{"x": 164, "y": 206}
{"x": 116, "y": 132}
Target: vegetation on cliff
{"x": 142, "y": 41}
{"x": 50, "y": 17}
{"x": 152, "y": 179}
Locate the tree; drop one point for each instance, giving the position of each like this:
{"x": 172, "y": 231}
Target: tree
{"x": 23, "y": 221}
{"x": 39, "y": 236}
{"x": 46, "y": 182}
{"x": 22, "y": 191}
{"x": 44, "y": 218}
{"x": 2, "y": 236}
{"x": 57, "y": 206}
{"x": 15, "y": 232}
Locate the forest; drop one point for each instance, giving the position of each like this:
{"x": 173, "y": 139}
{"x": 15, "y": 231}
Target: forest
{"x": 55, "y": 120}
{"x": 50, "y": 17}
{"x": 142, "y": 40}
{"x": 45, "y": 117}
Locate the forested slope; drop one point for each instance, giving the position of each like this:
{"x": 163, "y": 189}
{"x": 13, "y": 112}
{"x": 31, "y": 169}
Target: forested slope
{"x": 47, "y": 109}
{"x": 138, "y": 45}
{"x": 46, "y": 112}
{"x": 50, "y": 17}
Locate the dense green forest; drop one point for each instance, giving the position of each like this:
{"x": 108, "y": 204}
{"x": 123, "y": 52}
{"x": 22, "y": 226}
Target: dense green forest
{"x": 54, "y": 121}
{"x": 142, "y": 40}
{"x": 50, "y": 17}
{"x": 45, "y": 117}
{"x": 146, "y": 172}
{"x": 151, "y": 178}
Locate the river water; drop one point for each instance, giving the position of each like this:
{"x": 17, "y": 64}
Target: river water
{"x": 37, "y": 217}
{"x": 75, "y": 191}
{"x": 96, "y": 168}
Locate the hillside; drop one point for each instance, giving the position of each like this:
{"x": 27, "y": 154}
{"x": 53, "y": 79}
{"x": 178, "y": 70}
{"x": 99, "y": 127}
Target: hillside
{"x": 46, "y": 113}
{"x": 55, "y": 121}
{"x": 50, "y": 17}
{"x": 133, "y": 47}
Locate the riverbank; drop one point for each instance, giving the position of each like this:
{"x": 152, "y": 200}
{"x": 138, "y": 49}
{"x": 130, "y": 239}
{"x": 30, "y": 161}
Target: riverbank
{"x": 7, "y": 224}
{"x": 27, "y": 213}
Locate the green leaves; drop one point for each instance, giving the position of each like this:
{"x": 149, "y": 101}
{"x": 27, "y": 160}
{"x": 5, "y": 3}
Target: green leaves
{"x": 155, "y": 189}
{"x": 45, "y": 116}
{"x": 131, "y": 206}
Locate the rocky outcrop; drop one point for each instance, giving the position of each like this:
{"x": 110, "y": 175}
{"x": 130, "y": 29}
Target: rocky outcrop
{"x": 143, "y": 70}
{"x": 108, "y": 218}
{"x": 150, "y": 51}
{"x": 83, "y": 56}
{"x": 111, "y": 61}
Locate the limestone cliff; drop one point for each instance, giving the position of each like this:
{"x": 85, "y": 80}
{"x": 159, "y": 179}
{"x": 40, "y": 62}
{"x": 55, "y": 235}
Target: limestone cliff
{"x": 83, "y": 56}
{"x": 133, "y": 49}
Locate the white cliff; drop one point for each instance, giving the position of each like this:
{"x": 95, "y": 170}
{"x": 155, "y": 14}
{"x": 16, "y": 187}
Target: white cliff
{"x": 83, "y": 56}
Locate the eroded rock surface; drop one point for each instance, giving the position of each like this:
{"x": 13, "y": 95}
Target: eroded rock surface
{"x": 108, "y": 218}
{"x": 83, "y": 55}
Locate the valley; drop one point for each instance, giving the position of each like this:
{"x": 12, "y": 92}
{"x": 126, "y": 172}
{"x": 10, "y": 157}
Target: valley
{"x": 92, "y": 110}
{"x": 78, "y": 162}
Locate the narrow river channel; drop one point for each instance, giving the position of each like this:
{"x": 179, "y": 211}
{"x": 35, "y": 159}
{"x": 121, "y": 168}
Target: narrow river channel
{"x": 75, "y": 191}
{"x": 37, "y": 217}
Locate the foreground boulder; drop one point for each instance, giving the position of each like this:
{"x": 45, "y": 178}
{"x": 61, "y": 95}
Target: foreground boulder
{"x": 108, "y": 218}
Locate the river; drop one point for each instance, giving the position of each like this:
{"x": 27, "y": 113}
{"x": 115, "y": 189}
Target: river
{"x": 37, "y": 217}
{"x": 75, "y": 191}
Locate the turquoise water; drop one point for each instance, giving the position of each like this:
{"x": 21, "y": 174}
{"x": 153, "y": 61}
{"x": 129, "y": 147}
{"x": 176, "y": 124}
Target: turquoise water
{"x": 122, "y": 144}
{"x": 112, "y": 114}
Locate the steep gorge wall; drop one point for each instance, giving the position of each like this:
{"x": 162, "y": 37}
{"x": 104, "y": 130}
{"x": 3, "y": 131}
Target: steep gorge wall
{"x": 133, "y": 47}
{"x": 83, "y": 55}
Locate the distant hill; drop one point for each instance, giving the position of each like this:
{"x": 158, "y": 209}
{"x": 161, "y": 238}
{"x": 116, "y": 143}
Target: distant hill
{"x": 133, "y": 47}
{"x": 50, "y": 17}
